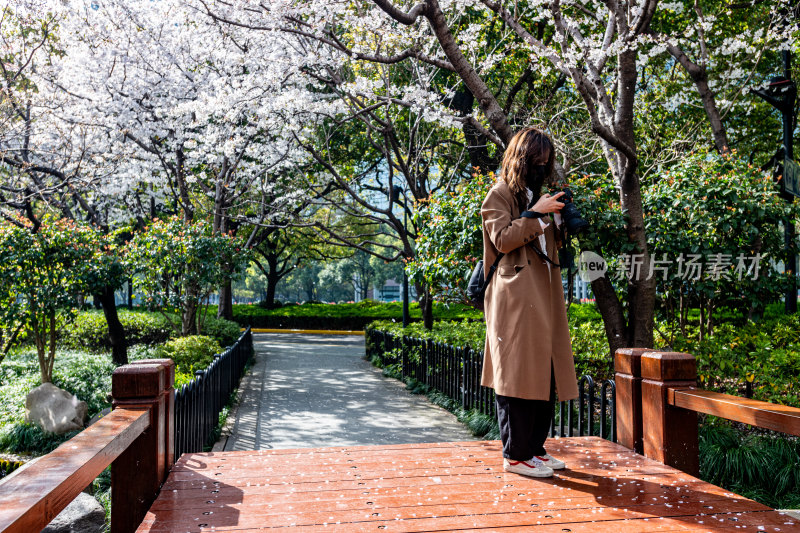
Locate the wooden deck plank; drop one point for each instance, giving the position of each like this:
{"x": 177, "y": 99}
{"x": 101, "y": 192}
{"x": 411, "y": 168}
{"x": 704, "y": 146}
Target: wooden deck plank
{"x": 334, "y": 455}
{"x": 391, "y": 463}
{"x": 478, "y": 492}
{"x": 314, "y": 513}
{"x": 563, "y": 499}
{"x": 445, "y": 487}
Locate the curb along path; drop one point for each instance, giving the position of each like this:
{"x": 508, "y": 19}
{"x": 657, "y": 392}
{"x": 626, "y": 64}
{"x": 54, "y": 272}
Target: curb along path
{"x": 309, "y": 391}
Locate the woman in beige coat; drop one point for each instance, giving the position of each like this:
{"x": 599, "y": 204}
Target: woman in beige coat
{"x": 528, "y": 352}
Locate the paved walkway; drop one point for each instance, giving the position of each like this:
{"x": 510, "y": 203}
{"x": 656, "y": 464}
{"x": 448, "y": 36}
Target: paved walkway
{"x": 308, "y": 391}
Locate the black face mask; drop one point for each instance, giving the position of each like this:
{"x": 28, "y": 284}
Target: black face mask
{"x": 535, "y": 178}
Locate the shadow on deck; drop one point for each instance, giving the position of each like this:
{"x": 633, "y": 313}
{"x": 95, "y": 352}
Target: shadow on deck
{"x": 452, "y": 486}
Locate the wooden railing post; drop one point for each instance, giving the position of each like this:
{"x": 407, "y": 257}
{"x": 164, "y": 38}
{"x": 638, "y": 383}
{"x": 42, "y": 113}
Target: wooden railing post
{"x": 136, "y": 475}
{"x": 628, "y": 381}
{"x": 670, "y": 433}
{"x": 169, "y": 409}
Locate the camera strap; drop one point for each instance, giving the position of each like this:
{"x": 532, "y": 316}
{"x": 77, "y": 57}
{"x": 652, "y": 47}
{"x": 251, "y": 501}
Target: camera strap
{"x": 543, "y": 255}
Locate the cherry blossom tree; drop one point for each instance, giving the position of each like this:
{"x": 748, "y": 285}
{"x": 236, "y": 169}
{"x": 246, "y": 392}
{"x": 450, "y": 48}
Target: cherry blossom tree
{"x": 200, "y": 120}
{"x": 596, "y": 48}
{"x": 46, "y": 158}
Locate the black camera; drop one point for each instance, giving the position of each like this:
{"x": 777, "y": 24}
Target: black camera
{"x": 573, "y": 221}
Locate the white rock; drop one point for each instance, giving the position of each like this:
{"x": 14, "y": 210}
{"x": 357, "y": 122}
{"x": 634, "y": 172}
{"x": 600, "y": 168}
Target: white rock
{"x": 54, "y": 410}
{"x": 83, "y": 515}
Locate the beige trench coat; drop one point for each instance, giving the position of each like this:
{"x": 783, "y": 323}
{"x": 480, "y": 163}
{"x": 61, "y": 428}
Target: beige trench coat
{"x": 524, "y": 307}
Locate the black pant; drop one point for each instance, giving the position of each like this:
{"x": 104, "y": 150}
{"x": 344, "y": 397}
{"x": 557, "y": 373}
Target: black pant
{"x": 524, "y": 424}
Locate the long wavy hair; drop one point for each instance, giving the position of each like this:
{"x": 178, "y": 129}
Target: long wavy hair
{"x": 529, "y": 147}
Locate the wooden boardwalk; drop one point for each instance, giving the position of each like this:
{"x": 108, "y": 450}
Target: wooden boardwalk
{"x": 451, "y": 486}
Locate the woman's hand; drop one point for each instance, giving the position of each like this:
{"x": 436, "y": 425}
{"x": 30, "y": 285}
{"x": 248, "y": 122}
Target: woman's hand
{"x": 549, "y": 204}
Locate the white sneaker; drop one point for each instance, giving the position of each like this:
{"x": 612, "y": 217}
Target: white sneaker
{"x": 533, "y": 468}
{"x": 551, "y": 461}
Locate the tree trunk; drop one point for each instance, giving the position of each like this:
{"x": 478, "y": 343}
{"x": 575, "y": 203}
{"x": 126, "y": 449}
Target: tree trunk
{"x": 611, "y": 310}
{"x": 51, "y": 352}
{"x": 273, "y": 277}
{"x": 702, "y": 318}
{"x": 225, "y": 307}
{"x": 642, "y": 287}
{"x": 272, "y": 286}
{"x": 189, "y": 320}
{"x": 40, "y": 350}
{"x": 426, "y": 303}
{"x": 641, "y": 291}
{"x": 477, "y": 143}
{"x": 710, "y": 318}
{"x": 116, "y": 332}
{"x": 309, "y": 290}
{"x": 189, "y": 315}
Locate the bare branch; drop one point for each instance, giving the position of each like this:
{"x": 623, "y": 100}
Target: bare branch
{"x": 419, "y": 10}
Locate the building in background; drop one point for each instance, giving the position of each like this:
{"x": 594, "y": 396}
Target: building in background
{"x": 580, "y": 289}
{"x": 390, "y": 292}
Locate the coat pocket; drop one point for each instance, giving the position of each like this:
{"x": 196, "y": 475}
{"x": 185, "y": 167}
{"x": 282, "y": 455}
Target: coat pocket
{"x": 510, "y": 270}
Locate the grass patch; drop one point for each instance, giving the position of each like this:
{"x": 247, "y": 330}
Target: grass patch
{"x": 763, "y": 466}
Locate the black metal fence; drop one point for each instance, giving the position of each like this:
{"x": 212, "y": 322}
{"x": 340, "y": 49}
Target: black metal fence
{"x": 456, "y": 373}
{"x": 199, "y": 403}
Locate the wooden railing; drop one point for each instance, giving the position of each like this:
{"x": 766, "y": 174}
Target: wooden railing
{"x": 136, "y": 439}
{"x": 658, "y": 402}
{"x": 766, "y": 415}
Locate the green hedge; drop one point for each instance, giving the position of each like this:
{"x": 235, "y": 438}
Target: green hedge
{"x": 349, "y": 316}
{"x": 89, "y": 331}
{"x": 589, "y": 344}
{"x": 759, "y": 359}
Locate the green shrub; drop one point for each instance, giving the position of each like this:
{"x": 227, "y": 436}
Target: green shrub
{"x": 760, "y": 359}
{"x": 225, "y": 332}
{"x": 89, "y": 331}
{"x": 191, "y": 353}
{"x": 17, "y": 378}
{"x": 86, "y": 375}
{"x": 456, "y": 333}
